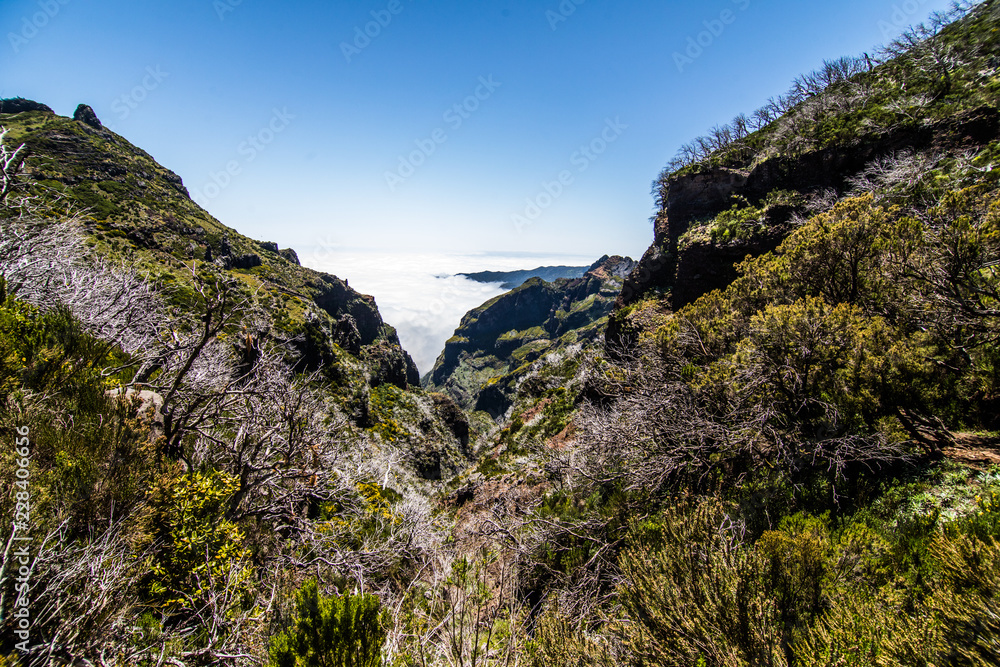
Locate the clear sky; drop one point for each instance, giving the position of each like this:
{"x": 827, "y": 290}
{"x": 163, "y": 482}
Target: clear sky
{"x": 292, "y": 124}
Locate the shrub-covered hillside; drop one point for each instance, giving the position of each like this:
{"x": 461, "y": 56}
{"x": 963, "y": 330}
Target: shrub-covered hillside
{"x": 792, "y": 458}
{"x": 787, "y": 453}
{"x": 133, "y": 209}
{"x": 496, "y": 345}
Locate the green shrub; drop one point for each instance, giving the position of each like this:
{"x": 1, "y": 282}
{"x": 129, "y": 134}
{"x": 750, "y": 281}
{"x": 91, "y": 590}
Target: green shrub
{"x": 738, "y": 223}
{"x": 798, "y": 557}
{"x": 556, "y": 643}
{"x": 331, "y": 631}
{"x": 201, "y": 549}
{"x": 696, "y": 595}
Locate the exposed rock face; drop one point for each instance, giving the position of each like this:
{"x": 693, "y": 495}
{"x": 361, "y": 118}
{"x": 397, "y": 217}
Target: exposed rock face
{"x": 245, "y": 261}
{"x": 286, "y": 253}
{"x": 19, "y": 105}
{"x": 452, "y": 415}
{"x": 346, "y": 334}
{"x": 86, "y": 115}
{"x": 133, "y": 198}
{"x": 335, "y": 297}
{"x": 391, "y": 364}
{"x": 148, "y": 405}
{"x": 687, "y": 273}
{"x": 612, "y": 267}
{"x": 497, "y": 342}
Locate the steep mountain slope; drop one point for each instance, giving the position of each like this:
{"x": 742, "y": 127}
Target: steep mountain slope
{"x": 138, "y": 211}
{"x": 201, "y": 423}
{"x": 768, "y": 466}
{"x": 496, "y": 344}
{"x": 937, "y": 102}
{"x": 794, "y": 469}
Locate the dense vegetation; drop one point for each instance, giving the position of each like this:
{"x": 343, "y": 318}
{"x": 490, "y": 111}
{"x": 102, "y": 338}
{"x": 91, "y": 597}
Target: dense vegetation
{"x": 800, "y": 468}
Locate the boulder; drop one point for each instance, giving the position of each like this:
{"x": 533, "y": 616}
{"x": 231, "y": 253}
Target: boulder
{"x": 85, "y": 114}
{"x": 149, "y": 407}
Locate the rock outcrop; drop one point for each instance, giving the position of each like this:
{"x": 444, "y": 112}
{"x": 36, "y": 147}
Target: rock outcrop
{"x": 496, "y": 343}
{"x": 85, "y": 114}
{"x": 137, "y": 207}
{"x": 682, "y": 274}
{"x": 20, "y": 105}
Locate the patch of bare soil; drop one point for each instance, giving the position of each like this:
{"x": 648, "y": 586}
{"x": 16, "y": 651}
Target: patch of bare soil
{"x": 973, "y": 450}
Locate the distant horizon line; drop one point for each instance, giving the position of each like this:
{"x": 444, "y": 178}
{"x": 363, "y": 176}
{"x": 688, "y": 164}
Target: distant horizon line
{"x": 457, "y": 253}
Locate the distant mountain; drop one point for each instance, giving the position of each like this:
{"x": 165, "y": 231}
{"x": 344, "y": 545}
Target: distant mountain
{"x": 496, "y": 344}
{"x": 513, "y": 279}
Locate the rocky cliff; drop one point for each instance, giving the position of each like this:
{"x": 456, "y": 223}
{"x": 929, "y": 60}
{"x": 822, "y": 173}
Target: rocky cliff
{"x": 136, "y": 210}
{"x": 692, "y": 252}
{"x": 496, "y": 344}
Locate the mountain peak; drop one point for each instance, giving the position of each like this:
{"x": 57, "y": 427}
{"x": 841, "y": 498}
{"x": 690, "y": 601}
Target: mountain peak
{"x": 614, "y": 266}
{"x": 19, "y": 105}
{"x": 85, "y": 114}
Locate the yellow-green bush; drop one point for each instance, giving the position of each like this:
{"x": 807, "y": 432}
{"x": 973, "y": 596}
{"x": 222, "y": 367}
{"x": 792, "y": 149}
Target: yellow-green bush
{"x": 696, "y": 595}
{"x": 198, "y": 548}
{"x": 331, "y": 631}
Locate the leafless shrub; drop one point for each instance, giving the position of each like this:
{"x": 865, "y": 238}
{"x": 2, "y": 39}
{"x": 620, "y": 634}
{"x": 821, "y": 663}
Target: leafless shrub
{"x": 83, "y": 597}
{"x": 662, "y": 434}
{"x": 836, "y": 88}
{"x": 923, "y": 46}
{"x": 45, "y": 262}
{"x": 11, "y": 163}
{"x": 904, "y": 169}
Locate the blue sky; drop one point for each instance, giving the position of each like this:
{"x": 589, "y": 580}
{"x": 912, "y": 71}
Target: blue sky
{"x": 288, "y": 135}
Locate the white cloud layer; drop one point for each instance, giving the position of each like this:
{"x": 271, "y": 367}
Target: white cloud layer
{"x": 420, "y": 294}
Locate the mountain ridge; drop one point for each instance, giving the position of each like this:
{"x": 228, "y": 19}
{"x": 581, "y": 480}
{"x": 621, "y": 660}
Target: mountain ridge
{"x": 497, "y": 342}
{"x": 140, "y": 211}
{"x": 512, "y": 279}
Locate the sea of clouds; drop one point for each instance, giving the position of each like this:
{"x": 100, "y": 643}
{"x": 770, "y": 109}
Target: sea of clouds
{"x": 420, "y": 294}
